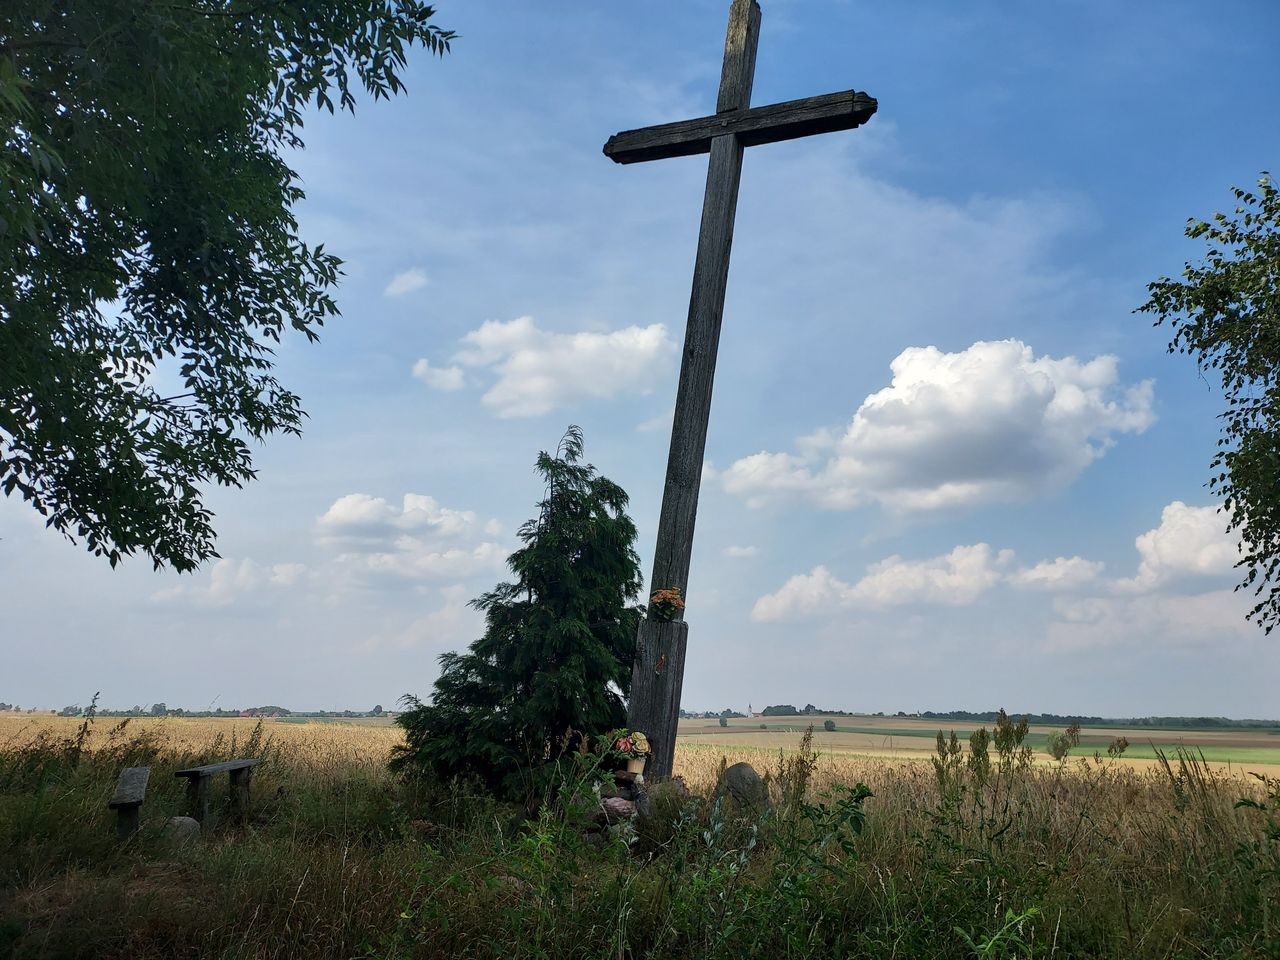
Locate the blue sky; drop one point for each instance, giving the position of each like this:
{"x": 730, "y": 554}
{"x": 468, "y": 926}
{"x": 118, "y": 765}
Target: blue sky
{"x": 947, "y": 466}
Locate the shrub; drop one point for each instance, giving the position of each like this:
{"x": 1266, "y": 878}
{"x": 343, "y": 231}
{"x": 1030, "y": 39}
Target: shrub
{"x": 829, "y": 726}
{"x": 979, "y": 758}
{"x": 554, "y": 663}
{"x": 1059, "y": 743}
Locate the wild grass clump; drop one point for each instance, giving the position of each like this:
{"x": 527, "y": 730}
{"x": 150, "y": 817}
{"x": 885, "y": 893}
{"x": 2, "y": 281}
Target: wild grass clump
{"x": 853, "y": 858}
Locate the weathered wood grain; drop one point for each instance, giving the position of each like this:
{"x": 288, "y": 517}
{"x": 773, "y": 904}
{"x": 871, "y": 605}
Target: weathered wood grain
{"x": 210, "y": 769}
{"x": 658, "y": 672}
{"x": 656, "y": 683}
{"x": 131, "y": 788}
{"x": 738, "y": 69}
{"x": 655, "y": 687}
{"x": 697, "y": 369}
{"x": 780, "y": 121}
{"x": 198, "y": 799}
{"x": 240, "y": 780}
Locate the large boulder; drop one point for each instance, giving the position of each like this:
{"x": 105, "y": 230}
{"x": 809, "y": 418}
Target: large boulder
{"x": 741, "y": 784}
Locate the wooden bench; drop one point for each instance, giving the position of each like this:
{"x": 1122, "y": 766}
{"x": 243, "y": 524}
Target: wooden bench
{"x": 131, "y": 789}
{"x": 198, "y": 786}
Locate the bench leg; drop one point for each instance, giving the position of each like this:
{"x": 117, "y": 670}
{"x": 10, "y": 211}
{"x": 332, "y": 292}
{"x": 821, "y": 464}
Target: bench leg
{"x": 198, "y": 798}
{"x": 240, "y": 792}
{"x": 127, "y": 822}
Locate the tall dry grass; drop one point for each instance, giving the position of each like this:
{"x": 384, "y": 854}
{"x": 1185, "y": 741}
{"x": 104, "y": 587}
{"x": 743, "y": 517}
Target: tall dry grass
{"x": 339, "y": 859}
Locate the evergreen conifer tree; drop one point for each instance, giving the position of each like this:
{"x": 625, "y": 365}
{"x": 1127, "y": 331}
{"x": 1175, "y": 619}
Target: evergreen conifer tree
{"x": 554, "y": 662}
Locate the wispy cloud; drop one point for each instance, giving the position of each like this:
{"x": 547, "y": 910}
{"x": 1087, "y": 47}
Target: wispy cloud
{"x": 407, "y": 281}
{"x": 439, "y": 378}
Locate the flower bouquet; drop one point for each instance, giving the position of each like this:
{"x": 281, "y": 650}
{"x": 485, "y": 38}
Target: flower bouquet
{"x": 632, "y": 747}
{"x": 665, "y": 605}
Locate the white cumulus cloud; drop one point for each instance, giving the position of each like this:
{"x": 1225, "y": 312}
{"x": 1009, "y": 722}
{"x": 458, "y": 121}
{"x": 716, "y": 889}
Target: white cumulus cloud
{"x": 741, "y": 552}
{"x": 360, "y": 516}
{"x": 1190, "y": 542}
{"x": 993, "y": 422}
{"x": 439, "y": 378}
{"x": 1061, "y": 573}
{"x": 957, "y": 578}
{"x": 404, "y": 282}
{"x": 1172, "y": 600}
{"x": 538, "y": 370}
{"x": 417, "y": 539}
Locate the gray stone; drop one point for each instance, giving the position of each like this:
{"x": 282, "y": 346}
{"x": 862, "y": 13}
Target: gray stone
{"x": 743, "y": 785}
{"x": 181, "y": 831}
{"x": 616, "y": 809}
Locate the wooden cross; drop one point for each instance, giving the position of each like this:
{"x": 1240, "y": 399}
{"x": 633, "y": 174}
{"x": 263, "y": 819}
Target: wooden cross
{"x": 660, "y": 647}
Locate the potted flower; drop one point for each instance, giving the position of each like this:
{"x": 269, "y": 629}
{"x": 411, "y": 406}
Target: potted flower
{"x": 665, "y": 605}
{"x": 632, "y": 747}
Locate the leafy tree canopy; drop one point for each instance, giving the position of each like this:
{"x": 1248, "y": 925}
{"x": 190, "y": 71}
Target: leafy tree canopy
{"x": 149, "y": 253}
{"x": 554, "y": 662}
{"x": 780, "y": 710}
{"x": 1225, "y": 311}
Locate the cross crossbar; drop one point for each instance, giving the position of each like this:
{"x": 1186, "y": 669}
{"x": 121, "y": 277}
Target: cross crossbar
{"x": 779, "y": 121}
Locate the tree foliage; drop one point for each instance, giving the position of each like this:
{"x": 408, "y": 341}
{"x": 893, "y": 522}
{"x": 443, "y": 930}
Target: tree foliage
{"x": 554, "y": 662}
{"x": 1225, "y": 311}
{"x": 149, "y": 252}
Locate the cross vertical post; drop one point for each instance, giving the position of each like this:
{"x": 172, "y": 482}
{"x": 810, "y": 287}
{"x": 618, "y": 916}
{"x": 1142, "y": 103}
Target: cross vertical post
{"x": 658, "y": 672}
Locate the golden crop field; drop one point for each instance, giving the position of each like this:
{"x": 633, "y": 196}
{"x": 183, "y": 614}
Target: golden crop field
{"x": 325, "y": 749}
{"x": 1234, "y": 752}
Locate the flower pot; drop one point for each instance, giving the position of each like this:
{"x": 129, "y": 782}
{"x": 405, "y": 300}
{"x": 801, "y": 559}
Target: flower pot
{"x": 635, "y": 765}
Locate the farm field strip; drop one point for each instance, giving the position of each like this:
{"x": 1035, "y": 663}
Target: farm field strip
{"x": 1238, "y": 751}
{"x": 326, "y": 742}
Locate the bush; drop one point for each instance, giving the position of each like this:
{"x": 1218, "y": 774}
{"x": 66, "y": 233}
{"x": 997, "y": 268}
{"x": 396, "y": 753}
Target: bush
{"x": 1059, "y": 744}
{"x": 724, "y": 721}
{"x": 829, "y": 726}
{"x": 554, "y": 663}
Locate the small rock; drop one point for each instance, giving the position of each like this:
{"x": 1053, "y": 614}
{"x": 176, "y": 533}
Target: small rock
{"x": 616, "y": 809}
{"x": 181, "y": 831}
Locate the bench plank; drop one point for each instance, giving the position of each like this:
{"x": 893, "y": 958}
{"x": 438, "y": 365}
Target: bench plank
{"x": 131, "y": 788}
{"x": 208, "y": 770}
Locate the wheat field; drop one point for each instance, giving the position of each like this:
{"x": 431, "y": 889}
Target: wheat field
{"x": 324, "y": 751}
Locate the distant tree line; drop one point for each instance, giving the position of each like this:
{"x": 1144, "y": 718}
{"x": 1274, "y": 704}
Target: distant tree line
{"x": 1058, "y": 719}
{"x": 162, "y": 710}
{"x": 777, "y": 710}
{"x": 809, "y": 710}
